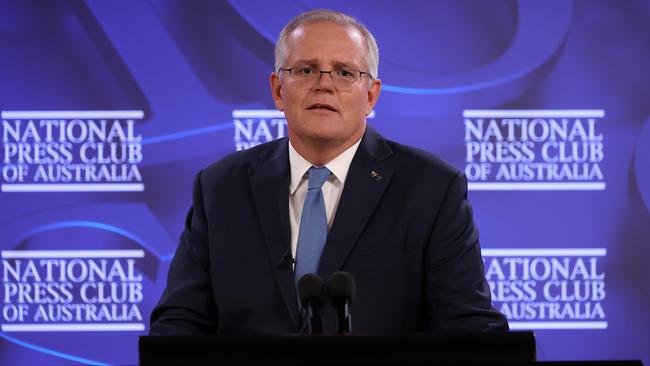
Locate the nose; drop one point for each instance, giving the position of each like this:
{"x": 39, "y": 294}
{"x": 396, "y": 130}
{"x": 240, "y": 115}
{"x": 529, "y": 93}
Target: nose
{"x": 325, "y": 82}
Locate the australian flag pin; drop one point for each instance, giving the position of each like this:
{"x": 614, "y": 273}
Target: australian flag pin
{"x": 375, "y": 175}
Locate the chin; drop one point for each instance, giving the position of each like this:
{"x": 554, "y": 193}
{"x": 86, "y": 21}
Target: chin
{"x": 322, "y": 130}
{"x": 325, "y": 136}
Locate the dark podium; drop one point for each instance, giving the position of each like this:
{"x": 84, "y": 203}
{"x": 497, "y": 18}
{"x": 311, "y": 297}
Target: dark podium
{"x": 447, "y": 348}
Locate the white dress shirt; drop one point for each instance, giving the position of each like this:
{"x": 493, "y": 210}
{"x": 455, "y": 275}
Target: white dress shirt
{"x": 332, "y": 188}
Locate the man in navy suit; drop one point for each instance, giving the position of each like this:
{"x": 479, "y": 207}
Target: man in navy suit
{"x": 395, "y": 217}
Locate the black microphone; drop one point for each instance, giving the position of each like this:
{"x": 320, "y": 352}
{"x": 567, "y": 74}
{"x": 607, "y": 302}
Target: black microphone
{"x": 285, "y": 261}
{"x": 341, "y": 290}
{"x": 311, "y": 292}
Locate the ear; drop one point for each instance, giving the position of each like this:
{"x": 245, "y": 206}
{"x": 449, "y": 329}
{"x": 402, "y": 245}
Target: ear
{"x": 373, "y": 94}
{"x": 276, "y": 87}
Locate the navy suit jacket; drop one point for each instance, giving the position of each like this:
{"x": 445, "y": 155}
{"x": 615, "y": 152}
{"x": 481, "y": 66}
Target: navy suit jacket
{"x": 405, "y": 232}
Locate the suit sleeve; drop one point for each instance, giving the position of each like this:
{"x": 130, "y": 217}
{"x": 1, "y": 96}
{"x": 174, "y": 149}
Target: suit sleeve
{"x": 187, "y": 305}
{"x": 456, "y": 289}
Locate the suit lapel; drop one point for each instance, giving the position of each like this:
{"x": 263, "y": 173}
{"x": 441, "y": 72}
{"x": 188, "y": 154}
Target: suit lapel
{"x": 270, "y": 186}
{"x": 366, "y": 182}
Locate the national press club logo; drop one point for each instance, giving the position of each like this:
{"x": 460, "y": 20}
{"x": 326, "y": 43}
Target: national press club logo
{"x": 71, "y": 290}
{"x": 550, "y": 288}
{"x": 71, "y": 151}
{"x": 552, "y": 149}
{"x": 257, "y": 126}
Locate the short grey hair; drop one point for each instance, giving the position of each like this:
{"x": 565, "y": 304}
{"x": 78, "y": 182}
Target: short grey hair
{"x": 333, "y": 17}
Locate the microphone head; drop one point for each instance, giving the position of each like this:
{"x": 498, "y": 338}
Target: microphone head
{"x": 341, "y": 288}
{"x": 311, "y": 290}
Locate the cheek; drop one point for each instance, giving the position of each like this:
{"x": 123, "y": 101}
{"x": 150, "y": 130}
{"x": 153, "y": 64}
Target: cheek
{"x": 290, "y": 100}
{"x": 357, "y": 106}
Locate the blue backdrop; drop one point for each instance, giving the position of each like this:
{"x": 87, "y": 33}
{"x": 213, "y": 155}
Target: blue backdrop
{"x": 109, "y": 108}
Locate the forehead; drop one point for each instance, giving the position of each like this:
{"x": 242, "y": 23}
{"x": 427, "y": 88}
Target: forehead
{"x": 326, "y": 43}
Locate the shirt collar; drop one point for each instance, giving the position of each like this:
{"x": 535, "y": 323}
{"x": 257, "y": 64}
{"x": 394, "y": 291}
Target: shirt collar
{"x": 339, "y": 166}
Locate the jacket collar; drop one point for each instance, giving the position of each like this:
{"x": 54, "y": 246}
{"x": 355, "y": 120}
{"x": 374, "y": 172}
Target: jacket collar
{"x": 366, "y": 182}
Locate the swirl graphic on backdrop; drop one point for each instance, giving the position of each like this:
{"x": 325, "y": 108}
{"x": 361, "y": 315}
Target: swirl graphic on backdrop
{"x": 495, "y": 82}
{"x": 642, "y": 164}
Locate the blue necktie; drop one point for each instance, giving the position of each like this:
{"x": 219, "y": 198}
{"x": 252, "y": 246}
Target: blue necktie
{"x": 313, "y": 224}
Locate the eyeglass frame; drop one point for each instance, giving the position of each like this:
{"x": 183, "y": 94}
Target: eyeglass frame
{"x": 361, "y": 73}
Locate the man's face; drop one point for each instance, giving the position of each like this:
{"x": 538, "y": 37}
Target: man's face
{"x": 318, "y": 113}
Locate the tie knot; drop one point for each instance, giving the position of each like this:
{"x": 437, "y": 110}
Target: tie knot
{"x": 318, "y": 176}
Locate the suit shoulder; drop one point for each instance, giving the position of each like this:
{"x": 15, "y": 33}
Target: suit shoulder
{"x": 239, "y": 162}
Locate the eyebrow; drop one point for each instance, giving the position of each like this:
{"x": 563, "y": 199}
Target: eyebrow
{"x": 337, "y": 64}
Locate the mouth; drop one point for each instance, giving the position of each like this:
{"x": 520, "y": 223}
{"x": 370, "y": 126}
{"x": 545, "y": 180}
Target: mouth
{"x": 322, "y": 106}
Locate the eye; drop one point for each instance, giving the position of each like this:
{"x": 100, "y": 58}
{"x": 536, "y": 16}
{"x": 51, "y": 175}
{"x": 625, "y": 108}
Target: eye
{"x": 347, "y": 74}
{"x": 304, "y": 70}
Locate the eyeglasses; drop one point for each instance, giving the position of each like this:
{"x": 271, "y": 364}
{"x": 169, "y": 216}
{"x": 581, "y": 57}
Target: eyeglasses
{"x": 343, "y": 79}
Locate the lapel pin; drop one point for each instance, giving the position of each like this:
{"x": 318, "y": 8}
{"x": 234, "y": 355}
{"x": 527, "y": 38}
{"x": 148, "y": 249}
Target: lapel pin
{"x": 375, "y": 175}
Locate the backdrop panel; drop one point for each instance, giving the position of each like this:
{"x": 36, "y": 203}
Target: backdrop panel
{"x": 109, "y": 108}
